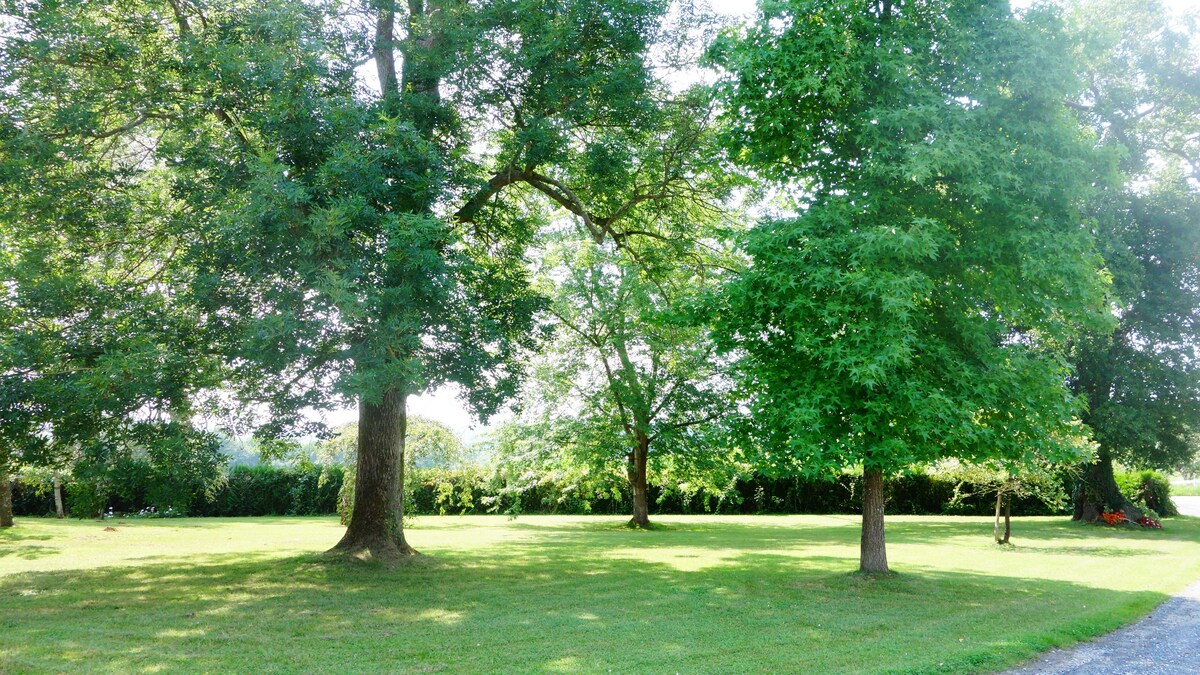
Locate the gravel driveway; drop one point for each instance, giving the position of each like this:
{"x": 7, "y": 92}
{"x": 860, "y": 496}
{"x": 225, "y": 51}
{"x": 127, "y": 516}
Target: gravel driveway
{"x": 1166, "y": 642}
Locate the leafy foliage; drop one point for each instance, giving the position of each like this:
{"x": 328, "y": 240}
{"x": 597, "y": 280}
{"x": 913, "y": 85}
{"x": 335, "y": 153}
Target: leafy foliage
{"x": 96, "y": 337}
{"x": 1149, "y": 490}
{"x": 920, "y": 304}
{"x": 1141, "y": 379}
{"x": 161, "y": 466}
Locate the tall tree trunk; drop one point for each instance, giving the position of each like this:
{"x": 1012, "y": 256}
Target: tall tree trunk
{"x": 636, "y": 470}
{"x": 873, "y": 550}
{"x": 6, "y": 506}
{"x": 376, "y": 528}
{"x": 1097, "y": 492}
{"x": 58, "y": 499}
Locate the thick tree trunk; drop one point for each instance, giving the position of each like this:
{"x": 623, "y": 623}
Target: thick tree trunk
{"x": 636, "y": 471}
{"x": 6, "y": 506}
{"x": 376, "y": 528}
{"x": 58, "y": 500}
{"x": 873, "y": 550}
{"x": 1097, "y": 492}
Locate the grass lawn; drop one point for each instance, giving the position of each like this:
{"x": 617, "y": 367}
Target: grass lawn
{"x": 550, "y": 594}
{"x": 1186, "y": 489}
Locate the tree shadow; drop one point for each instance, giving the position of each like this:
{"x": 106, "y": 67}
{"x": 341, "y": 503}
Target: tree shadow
{"x": 28, "y": 551}
{"x": 17, "y": 534}
{"x": 14, "y": 543}
{"x": 558, "y": 598}
{"x": 1041, "y": 529}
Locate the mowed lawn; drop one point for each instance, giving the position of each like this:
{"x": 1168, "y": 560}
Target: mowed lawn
{"x": 572, "y": 594}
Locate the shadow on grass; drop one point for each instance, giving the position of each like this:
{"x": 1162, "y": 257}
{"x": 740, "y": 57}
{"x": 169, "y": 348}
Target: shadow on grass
{"x": 940, "y": 530}
{"x": 844, "y": 530}
{"x": 14, "y": 543}
{"x": 27, "y": 551}
{"x": 16, "y": 534}
{"x": 565, "y": 599}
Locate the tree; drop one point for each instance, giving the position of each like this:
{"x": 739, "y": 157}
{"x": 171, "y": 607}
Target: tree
{"x": 1006, "y": 480}
{"x": 427, "y": 443}
{"x": 630, "y": 372}
{"x": 919, "y": 304}
{"x": 96, "y": 341}
{"x": 349, "y": 243}
{"x": 1141, "y": 378}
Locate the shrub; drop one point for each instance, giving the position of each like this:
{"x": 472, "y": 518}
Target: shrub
{"x": 266, "y": 490}
{"x": 1148, "y": 489}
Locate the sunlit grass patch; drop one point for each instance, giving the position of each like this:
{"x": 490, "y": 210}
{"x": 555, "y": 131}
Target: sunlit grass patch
{"x": 577, "y": 594}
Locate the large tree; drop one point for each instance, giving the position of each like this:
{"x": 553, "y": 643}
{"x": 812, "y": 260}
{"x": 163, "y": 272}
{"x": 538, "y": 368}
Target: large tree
{"x": 356, "y": 234}
{"x": 1141, "y": 379}
{"x": 918, "y": 305}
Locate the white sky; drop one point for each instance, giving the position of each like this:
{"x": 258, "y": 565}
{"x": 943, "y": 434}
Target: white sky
{"x": 443, "y": 404}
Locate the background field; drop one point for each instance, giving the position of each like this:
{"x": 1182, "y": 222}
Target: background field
{"x": 552, "y": 594}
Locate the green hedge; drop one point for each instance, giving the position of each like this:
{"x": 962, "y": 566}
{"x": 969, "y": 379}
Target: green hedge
{"x": 465, "y": 492}
{"x": 274, "y": 491}
{"x": 313, "y": 490}
{"x": 246, "y": 491}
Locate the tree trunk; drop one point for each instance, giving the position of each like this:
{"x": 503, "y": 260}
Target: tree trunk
{"x": 873, "y": 550}
{"x": 6, "y": 506}
{"x": 1007, "y": 518}
{"x": 1097, "y": 492}
{"x": 376, "y": 528}
{"x": 58, "y": 500}
{"x": 636, "y": 470}
{"x": 996, "y": 523}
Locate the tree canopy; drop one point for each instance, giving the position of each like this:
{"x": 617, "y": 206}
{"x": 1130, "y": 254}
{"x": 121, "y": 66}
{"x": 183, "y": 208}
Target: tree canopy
{"x": 919, "y": 305}
{"x": 1141, "y": 379}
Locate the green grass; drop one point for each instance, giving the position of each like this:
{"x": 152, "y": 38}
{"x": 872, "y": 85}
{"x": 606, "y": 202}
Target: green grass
{"x": 552, "y": 594}
{"x": 1185, "y": 489}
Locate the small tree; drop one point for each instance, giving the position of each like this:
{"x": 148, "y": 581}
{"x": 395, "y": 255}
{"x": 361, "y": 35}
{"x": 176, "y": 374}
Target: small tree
{"x": 630, "y": 373}
{"x": 1036, "y": 479}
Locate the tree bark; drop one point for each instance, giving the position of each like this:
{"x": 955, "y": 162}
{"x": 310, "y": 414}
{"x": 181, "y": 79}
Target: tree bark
{"x": 376, "y": 528}
{"x": 873, "y": 550}
{"x": 58, "y": 498}
{"x": 1007, "y": 518}
{"x": 6, "y": 505}
{"x": 636, "y": 470}
{"x": 996, "y": 523}
{"x": 1097, "y": 492}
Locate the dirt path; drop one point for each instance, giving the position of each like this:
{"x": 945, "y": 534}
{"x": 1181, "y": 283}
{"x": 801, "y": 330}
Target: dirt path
{"x": 1165, "y": 643}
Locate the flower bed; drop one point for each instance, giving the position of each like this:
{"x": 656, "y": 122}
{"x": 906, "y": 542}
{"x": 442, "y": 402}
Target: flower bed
{"x": 1113, "y": 517}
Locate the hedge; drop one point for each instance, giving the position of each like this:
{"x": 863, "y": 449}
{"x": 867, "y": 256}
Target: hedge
{"x": 246, "y": 491}
{"x": 467, "y": 492}
{"x": 313, "y": 490}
